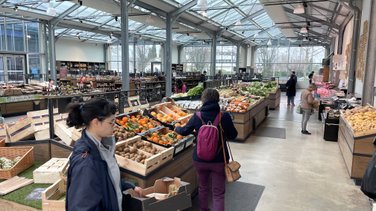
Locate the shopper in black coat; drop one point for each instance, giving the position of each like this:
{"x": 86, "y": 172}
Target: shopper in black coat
{"x": 291, "y": 90}
{"x": 211, "y": 173}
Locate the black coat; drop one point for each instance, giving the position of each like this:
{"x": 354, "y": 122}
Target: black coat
{"x": 208, "y": 113}
{"x": 291, "y": 87}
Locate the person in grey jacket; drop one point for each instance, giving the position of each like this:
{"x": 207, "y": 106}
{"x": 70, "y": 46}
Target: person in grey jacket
{"x": 307, "y": 103}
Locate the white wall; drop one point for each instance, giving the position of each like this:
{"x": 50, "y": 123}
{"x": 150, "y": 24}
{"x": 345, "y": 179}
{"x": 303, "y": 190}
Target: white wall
{"x": 76, "y": 50}
{"x": 366, "y": 13}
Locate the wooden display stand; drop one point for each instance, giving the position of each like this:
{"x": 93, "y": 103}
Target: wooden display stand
{"x": 181, "y": 166}
{"x": 274, "y": 99}
{"x": 246, "y": 123}
{"x": 357, "y": 150}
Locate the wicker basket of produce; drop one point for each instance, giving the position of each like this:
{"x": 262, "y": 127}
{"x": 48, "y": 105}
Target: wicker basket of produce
{"x": 14, "y": 160}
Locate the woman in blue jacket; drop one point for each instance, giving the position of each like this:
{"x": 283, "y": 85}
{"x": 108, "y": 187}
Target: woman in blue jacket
{"x": 211, "y": 170}
{"x": 94, "y": 181}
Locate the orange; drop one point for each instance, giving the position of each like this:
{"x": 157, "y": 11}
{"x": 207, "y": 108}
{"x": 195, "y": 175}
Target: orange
{"x": 179, "y": 137}
{"x": 150, "y": 126}
{"x": 155, "y": 139}
{"x": 125, "y": 119}
{"x": 153, "y": 113}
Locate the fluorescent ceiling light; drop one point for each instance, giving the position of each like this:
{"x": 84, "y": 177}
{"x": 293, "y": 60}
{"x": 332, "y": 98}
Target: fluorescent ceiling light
{"x": 299, "y": 9}
{"x": 269, "y": 42}
{"x": 304, "y": 30}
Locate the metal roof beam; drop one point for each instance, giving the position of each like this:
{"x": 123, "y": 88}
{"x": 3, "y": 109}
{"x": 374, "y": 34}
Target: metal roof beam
{"x": 2, "y": 1}
{"x": 328, "y": 10}
{"x": 311, "y": 18}
{"x": 56, "y": 20}
{"x": 184, "y": 8}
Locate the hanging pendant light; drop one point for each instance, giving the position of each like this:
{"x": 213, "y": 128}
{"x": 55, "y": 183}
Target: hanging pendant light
{"x": 304, "y": 30}
{"x": 203, "y": 4}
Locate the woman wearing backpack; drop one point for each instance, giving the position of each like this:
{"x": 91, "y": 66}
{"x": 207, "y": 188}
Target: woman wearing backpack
{"x": 210, "y": 170}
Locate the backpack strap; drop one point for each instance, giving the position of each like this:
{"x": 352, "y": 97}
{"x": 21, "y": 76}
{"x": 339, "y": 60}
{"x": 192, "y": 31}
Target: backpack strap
{"x": 198, "y": 114}
{"x": 217, "y": 119}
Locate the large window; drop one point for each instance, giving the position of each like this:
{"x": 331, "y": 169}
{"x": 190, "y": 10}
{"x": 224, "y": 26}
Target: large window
{"x": 21, "y": 38}
{"x": 281, "y": 61}
{"x": 226, "y": 59}
{"x": 145, "y": 55}
{"x": 196, "y": 58}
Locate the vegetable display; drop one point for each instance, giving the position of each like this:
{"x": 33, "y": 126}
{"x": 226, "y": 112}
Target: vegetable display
{"x": 195, "y": 91}
{"x": 137, "y": 123}
{"x": 121, "y": 133}
{"x": 6, "y": 163}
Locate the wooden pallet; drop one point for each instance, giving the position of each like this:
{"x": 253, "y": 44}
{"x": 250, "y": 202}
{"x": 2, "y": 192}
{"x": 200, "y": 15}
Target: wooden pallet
{"x": 51, "y": 171}
{"x": 151, "y": 163}
{"x": 53, "y": 198}
{"x": 22, "y": 129}
{"x": 13, "y": 184}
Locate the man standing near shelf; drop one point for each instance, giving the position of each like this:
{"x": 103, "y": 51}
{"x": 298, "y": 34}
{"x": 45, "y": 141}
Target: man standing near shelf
{"x": 310, "y": 77}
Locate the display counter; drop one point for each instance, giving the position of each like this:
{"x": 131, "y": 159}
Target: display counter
{"x": 274, "y": 99}
{"x": 357, "y": 149}
{"x": 246, "y": 123}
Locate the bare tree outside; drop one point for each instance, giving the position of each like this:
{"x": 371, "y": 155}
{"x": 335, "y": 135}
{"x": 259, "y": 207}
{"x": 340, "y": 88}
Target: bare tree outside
{"x": 267, "y": 57}
{"x": 198, "y": 57}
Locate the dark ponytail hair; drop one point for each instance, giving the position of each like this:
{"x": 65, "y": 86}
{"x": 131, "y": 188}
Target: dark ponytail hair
{"x": 81, "y": 114}
{"x": 179, "y": 84}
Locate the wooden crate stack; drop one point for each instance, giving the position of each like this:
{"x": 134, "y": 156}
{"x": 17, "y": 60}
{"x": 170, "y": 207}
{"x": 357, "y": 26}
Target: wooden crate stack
{"x": 51, "y": 171}
{"x": 40, "y": 122}
{"x": 20, "y": 130}
{"x": 69, "y": 135}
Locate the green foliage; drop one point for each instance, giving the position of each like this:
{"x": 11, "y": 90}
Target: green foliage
{"x": 195, "y": 91}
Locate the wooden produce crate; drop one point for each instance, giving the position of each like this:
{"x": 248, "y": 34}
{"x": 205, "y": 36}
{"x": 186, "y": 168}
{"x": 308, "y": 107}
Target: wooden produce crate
{"x": 69, "y": 135}
{"x": 151, "y": 163}
{"x": 3, "y": 132}
{"x": 240, "y": 118}
{"x": 356, "y": 150}
{"x": 22, "y": 129}
{"x": 40, "y": 122}
{"x": 53, "y": 198}
{"x": 168, "y": 110}
{"x": 274, "y": 99}
{"x": 138, "y": 116}
{"x": 2, "y": 142}
{"x": 27, "y": 160}
{"x": 179, "y": 146}
{"x": 51, "y": 171}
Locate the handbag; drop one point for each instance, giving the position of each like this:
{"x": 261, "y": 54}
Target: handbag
{"x": 299, "y": 109}
{"x": 232, "y": 168}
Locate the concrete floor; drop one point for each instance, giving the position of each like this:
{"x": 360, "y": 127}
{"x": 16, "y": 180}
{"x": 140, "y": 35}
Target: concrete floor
{"x": 300, "y": 172}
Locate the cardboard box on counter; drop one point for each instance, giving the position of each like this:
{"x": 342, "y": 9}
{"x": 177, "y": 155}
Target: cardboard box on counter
{"x": 175, "y": 192}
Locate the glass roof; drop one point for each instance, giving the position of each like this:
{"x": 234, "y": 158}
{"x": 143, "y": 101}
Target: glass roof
{"x": 244, "y": 18}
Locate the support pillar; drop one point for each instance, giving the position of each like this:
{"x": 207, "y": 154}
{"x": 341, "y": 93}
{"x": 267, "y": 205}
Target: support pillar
{"x": 213, "y": 58}
{"x": 369, "y": 79}
{"x": 180, "y": 50}
{"x": 124, "y": 46}
{"x": 134, "y": 56}
{"x": 44, "y": 50}
{"x": 237, "y": 57}
{"x": 167, "y": 59}
{"x": 52, "y": 53}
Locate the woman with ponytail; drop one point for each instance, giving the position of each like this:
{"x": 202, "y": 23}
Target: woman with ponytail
{"x": 94, "y": 181}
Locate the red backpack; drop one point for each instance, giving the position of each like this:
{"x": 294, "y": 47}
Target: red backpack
{"x": 207, "y": 138}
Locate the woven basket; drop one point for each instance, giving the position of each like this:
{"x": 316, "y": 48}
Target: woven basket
{"x": 2, "y": 143}
{"x": 27, "y": 160}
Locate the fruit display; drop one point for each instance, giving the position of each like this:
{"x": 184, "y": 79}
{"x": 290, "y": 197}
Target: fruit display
{"x": 237, "y": 106}
{"x": 167, "y": 113}
{"x": 227, "y": 93}
{"x": 121, "y": 133}
{"x": 164, "y": 137}
{"x": 137, "y": 150}
{"x": 361, "y": 119}
{"x": 136, "y": 123}
{"x": 188, "y": 104}
{"x": 326, "y": 93}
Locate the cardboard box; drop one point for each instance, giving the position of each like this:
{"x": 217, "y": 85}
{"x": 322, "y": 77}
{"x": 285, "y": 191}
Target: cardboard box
{"x": 179, "y": 200}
